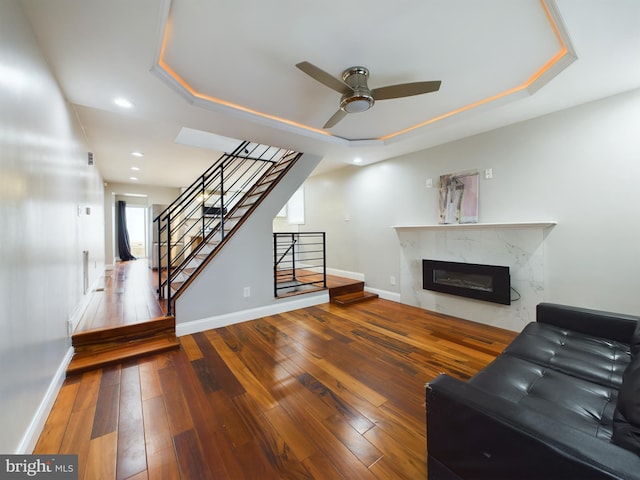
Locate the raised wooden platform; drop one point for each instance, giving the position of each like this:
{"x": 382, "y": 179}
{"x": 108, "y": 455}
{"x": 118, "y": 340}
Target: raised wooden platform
{"x": 108, "y": 346}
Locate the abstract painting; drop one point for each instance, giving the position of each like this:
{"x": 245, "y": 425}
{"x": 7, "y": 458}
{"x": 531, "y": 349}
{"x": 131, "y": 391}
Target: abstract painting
{"x": 458, "y": 202}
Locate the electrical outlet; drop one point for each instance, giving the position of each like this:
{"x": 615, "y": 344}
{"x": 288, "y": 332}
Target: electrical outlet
{"x": 488, "y": 174}
{"x": 429, "y": 183}
{"x": 392, "y": 280}
{"x": 247, "y": 292}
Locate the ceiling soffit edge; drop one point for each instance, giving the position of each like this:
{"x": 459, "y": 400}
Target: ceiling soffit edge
{"x": 561, "y": 60}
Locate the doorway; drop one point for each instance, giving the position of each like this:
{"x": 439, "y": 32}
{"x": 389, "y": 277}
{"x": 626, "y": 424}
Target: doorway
{"x": 137, "y": 228}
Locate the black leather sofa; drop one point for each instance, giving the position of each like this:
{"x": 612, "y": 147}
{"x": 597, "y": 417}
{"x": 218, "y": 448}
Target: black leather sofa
{"x": 561, "y": 402}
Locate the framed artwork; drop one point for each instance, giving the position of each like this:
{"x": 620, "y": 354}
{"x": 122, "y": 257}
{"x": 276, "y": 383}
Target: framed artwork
{"x": 458, "y": 201}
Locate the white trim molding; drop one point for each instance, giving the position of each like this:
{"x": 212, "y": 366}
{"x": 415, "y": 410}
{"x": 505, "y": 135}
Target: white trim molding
{"x": 195, "y": 326}
{"x": 385, "y": 294}
{"x": 346, "y": 274}
{"x": 31, "y": 435}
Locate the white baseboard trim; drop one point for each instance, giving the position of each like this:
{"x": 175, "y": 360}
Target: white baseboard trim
{"x": 218, "y": 321}
{"x": 385, "y": 294}
{"x": 30, "y": 438}
{"x": 346, "y": 274}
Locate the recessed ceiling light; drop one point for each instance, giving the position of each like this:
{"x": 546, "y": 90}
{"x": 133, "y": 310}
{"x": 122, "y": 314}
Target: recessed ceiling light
{"x": 135, "y": 168}
{"x": 133, "y": 178}
{"x": 123, "y": 102}
{"x": 357, "y": 160}
{"x": 137, "y": 154}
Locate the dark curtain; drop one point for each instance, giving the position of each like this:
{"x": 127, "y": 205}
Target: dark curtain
{"x": 124, "y": 249}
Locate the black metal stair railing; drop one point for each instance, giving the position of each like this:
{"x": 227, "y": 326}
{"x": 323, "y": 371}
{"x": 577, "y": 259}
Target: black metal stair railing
{"x": 299, "y": 262}
{"x": 206, "y": 212}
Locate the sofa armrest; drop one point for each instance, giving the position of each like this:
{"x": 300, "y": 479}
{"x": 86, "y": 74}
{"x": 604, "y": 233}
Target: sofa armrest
{"x": 474, "y": 435}
{"x": 614, "y": 326}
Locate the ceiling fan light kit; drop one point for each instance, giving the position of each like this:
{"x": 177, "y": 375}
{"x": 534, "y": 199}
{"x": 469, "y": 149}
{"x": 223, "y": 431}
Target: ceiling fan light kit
{"x": 356, "y": 104}
{"x": 359, "y": 98}
{"x": 356, "y": 95}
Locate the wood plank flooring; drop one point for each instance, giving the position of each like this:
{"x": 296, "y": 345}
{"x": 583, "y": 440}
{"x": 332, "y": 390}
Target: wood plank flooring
{"x": 325, "y": 392}
{"x": 127, "y": 295}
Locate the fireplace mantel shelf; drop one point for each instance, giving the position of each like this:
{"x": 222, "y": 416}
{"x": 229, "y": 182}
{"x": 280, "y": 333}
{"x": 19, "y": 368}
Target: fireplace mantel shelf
{"x": 479, "y": 226}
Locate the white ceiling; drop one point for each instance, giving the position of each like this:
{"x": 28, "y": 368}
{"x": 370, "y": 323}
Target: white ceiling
{"x": 228, "y": 67}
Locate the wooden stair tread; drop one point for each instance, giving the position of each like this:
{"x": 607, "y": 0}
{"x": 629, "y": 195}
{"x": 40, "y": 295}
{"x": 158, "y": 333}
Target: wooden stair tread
{"x": 87, "y": 360}
{"x": 350, "y": 292}
{"x": 124, "y": 333}
{"x": 352, "y": 287}
{"x": 353, "y": 297}
{"x": 111, "y": 345}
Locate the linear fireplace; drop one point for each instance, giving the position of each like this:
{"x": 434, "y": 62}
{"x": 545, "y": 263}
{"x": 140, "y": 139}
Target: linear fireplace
{"x": 491, "y": 283}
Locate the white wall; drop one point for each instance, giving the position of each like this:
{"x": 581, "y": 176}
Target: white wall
{"x": 580, "y": 167}
{"x": 45, "y": 187}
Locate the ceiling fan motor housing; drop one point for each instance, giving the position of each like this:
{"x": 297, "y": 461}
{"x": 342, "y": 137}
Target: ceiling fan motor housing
{"x": 360, "y": 99}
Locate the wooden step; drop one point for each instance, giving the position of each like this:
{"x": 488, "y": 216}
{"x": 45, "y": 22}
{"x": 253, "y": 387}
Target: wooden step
{"x": 109, "y": 346}
{"x": 353, "y": 297}
{"x": 280, "y": 167}
{"x": 90, "y": 361}
{"x": 122, "y": 333}
{"x": 351, "y": 287}
{"x": 269, "y": 177}
{"x": 350, "y": 293}
{"x": 260, "y": 187}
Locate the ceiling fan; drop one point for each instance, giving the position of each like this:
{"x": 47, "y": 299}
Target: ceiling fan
{"x": 356, "y": 95}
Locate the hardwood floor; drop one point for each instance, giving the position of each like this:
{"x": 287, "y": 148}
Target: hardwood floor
{"x": 127, "y": 295}
{"x": 326, "y": 392}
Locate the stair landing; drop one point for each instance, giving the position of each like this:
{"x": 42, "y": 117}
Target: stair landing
{"x": 342, "y": 290}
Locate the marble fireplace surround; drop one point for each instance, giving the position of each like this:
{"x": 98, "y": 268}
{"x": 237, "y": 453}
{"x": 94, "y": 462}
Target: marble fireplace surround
{"x": 519, "y": 245}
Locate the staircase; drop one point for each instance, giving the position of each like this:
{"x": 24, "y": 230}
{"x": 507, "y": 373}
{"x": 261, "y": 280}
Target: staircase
{"x": 203, "y": 218}
{"x": 349, "y": 294}
{"x": 189, "y": 231}
{"x": 108, "y": 346}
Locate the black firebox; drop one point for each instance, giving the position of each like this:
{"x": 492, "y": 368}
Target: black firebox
{"x": 491, "y": 283}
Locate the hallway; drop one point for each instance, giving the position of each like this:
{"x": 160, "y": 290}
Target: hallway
{"x": 126, "y": 296}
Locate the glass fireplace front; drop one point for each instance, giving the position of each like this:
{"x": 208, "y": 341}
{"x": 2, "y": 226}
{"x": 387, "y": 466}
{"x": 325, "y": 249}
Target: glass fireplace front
{"x": 491, "y": 283}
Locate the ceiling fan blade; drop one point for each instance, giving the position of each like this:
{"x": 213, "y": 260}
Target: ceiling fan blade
{"x": 335, "y": 118}
{"x": 323, "y": 77}
{"x": 405, "y": 90}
